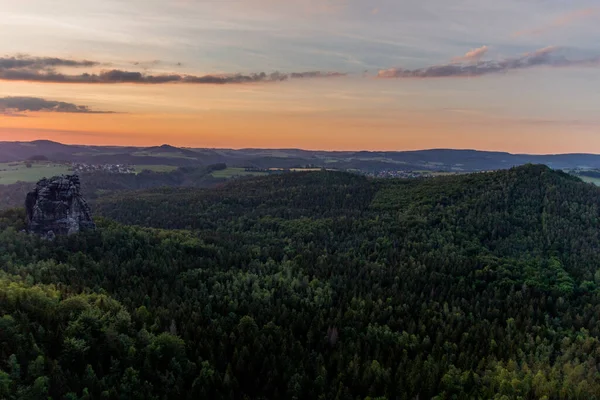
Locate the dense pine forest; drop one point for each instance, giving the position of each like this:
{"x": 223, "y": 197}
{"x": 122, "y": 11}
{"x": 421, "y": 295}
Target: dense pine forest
{"x": 317, "y": 285}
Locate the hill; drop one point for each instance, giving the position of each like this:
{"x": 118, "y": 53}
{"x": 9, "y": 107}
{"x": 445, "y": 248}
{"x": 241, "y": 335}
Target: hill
{"x": 313, "y": 285}
{"x": 367, "y": 161}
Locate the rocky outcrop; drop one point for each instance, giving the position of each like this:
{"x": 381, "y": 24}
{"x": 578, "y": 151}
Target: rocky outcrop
{"x": 56, "y": 207}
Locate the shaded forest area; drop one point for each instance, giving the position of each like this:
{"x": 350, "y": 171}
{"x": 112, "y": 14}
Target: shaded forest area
{"x": 316, "y": 285}
{"x": 98, "y": 183}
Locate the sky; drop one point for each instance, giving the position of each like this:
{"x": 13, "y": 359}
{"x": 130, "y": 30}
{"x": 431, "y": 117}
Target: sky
{"x": 513, "y": 75}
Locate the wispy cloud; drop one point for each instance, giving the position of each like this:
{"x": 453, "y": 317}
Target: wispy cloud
{"x": 42, "y": 70}
{"x": 15, "y": 106}
{"x": 40, "y": 63}
{"x": 471, "y": 65}
{"x": 564, "y": 20}
{"x": 474, "y": 55}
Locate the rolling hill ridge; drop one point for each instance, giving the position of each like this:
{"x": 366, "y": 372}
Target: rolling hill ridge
{"x": 431, "y": 160}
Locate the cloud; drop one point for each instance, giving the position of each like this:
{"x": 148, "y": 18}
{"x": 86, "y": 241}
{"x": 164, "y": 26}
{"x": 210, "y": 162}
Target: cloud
{"x": 474, "y": 55}
{"x": 42, "y": 70}
{"x": 561, "y": 21}
{"x": 40, "y": 63}
{"x": 547, "y": 57}
{"x": 316, "y": 74}
{"x": 11, "y": 113}
{"x": 12, "y": 106}
{"x": 146, "y": 64}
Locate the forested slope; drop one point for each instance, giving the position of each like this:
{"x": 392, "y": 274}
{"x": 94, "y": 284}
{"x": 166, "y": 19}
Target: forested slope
{"x": 313, "y": 285}
{"x": 99, "y": 183}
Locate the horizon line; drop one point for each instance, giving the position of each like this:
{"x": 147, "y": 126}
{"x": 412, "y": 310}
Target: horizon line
{"x": 300, "y": 149}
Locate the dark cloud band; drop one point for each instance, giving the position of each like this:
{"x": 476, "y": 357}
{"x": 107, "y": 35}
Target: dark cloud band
{"x": 43, "y": 70}
{"x": 119, "y": 76}
{"x": 12, "y": 105}
{"x": 39, "y": 63}
{"x": 548, "y": 57}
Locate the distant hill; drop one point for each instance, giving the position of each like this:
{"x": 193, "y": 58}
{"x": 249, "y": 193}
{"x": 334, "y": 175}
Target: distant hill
{"x": 427, "y": 160}
{"x": 18, "y": 151}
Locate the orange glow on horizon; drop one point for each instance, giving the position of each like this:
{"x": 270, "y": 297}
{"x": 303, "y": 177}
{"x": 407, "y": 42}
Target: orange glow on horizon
{"x": 339, "y": 114}
{"x": 219, "y": 129}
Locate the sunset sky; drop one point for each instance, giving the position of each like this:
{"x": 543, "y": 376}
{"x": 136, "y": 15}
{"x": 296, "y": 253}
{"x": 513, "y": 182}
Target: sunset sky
{"x": 510, "y": 75}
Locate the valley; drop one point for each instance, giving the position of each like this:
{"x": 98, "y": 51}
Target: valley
{"x": 434, "y": 160}
{"x": 312, "y": 285}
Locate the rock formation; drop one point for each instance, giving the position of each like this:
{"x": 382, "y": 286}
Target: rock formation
{"x": 56, "y": 207}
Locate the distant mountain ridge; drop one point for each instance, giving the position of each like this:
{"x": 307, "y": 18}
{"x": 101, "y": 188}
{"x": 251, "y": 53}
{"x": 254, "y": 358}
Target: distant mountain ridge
{"x": 459, "y": 160}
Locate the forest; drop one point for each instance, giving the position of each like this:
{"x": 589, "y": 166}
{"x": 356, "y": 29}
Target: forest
{"x": 99, "y": 183}
{"x": 312, "y": 285}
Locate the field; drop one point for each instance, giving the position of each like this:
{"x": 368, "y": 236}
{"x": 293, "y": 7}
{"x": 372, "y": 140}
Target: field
{"x": 155, "y": 168}
{"x": 18, "y": 172}
{"x": 231, "y": 172}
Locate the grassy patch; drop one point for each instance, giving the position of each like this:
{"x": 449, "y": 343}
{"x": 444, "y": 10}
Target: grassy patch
{"x": 18, "y": 172}
{"x": 231, "y": 172}
{"x": 155, "y": 168}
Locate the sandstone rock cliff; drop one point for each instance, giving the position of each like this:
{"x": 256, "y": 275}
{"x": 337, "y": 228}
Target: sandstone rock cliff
{"x": 56, "y": 207}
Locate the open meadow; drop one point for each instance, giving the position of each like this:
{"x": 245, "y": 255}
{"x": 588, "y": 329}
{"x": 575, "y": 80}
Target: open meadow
{"x": 154, "y": 168}
{"x": 29, "y": 172}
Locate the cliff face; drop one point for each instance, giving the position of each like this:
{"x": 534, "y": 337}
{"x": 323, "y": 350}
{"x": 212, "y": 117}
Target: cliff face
{"x": 56, "y": 207}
